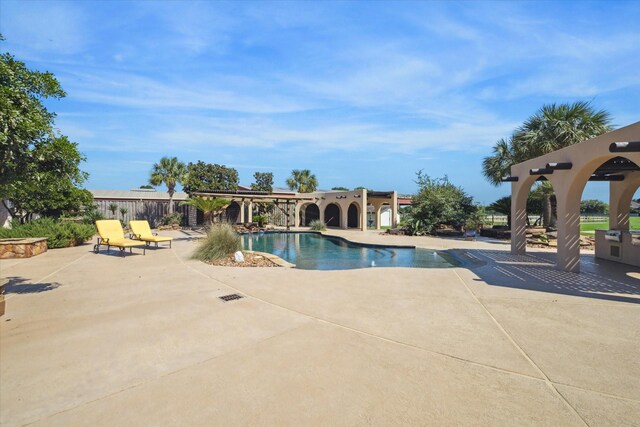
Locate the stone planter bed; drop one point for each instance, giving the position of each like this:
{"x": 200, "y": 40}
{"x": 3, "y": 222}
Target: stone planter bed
{"x": 22, "y": 247}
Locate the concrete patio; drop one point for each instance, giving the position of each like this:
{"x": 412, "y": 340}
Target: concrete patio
{"x": 94, "y": 339}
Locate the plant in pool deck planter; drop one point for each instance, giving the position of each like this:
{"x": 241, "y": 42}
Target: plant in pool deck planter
{"x": 123, "y": 212}
{"x": 317, "y": 225}
{"x": 221, "y": 241}
{"x": 58, "y": 234}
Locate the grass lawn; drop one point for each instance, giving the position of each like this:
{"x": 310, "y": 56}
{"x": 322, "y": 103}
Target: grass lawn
{"x": 588, "y": 228}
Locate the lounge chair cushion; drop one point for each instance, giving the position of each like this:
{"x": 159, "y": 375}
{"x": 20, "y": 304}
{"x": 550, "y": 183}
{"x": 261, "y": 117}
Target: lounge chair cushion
{"x": 142, "y": 231}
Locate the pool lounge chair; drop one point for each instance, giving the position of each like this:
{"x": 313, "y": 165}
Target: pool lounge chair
{"x": 112, "y": 234}
{"x": 140, "y": 230}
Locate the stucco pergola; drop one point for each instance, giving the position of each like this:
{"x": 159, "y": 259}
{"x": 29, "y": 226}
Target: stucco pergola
{"x": 569, "y": 170}
{"x": 336, "y": 201}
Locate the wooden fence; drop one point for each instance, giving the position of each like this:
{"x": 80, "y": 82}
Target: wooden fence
{"x": 150, "y": 210}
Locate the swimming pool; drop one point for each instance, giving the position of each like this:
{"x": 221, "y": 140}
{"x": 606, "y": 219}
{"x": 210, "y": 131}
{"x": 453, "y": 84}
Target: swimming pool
{"x": 313, "y": 251}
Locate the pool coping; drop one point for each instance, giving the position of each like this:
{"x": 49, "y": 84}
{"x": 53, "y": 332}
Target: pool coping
{"x": 273, "y": 258}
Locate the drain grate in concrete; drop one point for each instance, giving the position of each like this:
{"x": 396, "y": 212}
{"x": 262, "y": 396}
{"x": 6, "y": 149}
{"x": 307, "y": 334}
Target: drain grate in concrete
{"x": 230, "y": 297}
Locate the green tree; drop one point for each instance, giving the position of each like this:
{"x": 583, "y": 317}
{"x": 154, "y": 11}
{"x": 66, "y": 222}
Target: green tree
{"x": 438, "y": 202}
{"x": 209, "y": 207}
{"x": 593, "y": 207}
{"x": 25, "y": 123}
{"x": 263, "y": 181}
{"x": 50, "y": 185}
{"x": 302, "y": 181}
{"x": 203, "y": 176}
{"x": 169, "y": 171}
{"x": 147, "y": 187}
{"x": 39, "y": 168}
{"x": 340, "y": 188}
{"x": 551, "y": 128}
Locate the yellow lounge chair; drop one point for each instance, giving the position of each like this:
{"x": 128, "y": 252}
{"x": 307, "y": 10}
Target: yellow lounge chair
{"x": 111, "y": 234}
{"x": 140, "y": 230}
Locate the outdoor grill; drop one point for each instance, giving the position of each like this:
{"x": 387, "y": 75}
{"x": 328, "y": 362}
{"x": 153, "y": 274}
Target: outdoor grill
{"x": 613, "y": 235}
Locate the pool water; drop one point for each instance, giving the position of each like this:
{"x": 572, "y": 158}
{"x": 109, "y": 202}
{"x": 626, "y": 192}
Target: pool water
{"x": 312, "y": 251}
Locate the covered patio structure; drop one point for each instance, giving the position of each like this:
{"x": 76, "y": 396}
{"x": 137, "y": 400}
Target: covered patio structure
{"x": 613, "y": 157}
{"x": 337, "y": 209}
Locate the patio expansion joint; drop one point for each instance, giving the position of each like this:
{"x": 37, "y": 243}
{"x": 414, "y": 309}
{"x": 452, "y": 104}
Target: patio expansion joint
{"x": 546, "y": 379}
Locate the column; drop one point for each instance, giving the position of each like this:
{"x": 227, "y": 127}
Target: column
{"x": 250, "y": 212}
{"x": 296, "y": 214}
{"x": 321, "y": 210}
{"x": 344, "y": 215}
{"x": 568, "y": 258}
{"x": 242, "y": 212}
{"x": 394, "y": 210}
{"x": 519, "y": 193}
{"x": 620, "y": 196}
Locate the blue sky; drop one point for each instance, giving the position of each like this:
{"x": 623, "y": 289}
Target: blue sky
{"x": 361, "y": 93}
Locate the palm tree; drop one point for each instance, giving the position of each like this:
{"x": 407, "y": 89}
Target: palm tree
{"x": 169, "y": 171}
{"x": 302, "y": 181}
{"x": 499, "y": 165}
{"x": 209, "y": 207}
{"x": 549, "y": 129}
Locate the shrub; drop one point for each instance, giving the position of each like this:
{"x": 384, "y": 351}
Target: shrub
{"x": 58, "y": 234}
{"x": 438, "y": 202}
{"x": 318, "y": 225}
{"x": 221, "y": 241}
{"x": 92, "y": 215}
{"x": 171, "y": 219}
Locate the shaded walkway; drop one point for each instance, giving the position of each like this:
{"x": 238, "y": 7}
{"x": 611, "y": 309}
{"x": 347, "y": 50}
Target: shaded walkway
{"x": 536, "y": 271}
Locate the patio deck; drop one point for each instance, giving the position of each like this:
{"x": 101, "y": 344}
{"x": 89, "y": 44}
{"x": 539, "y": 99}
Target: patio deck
{"x": 100, "y": 340}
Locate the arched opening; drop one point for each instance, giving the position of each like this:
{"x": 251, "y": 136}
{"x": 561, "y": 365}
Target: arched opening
{"x": 353, "y": 216}
{"x": 385, "y": 215}
{"x": 232, "y": 213}
{"x": 609, "y": 199}
{"x": 542, "y": 214}
{"x": 310, "y": 212}
{"x": 371, "y": 216}
{"x": 332, "y": 215}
